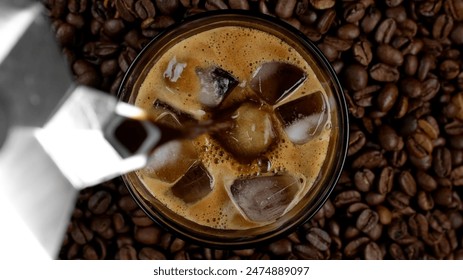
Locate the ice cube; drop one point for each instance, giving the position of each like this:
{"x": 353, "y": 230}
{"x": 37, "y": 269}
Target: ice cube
{"x": 251, "y": 133}
{"x": 264, "y": 199}
{"x": 216, "y": 84}
{"x": 168, "y": 115}
{"x": 273, "y": 81}
{"x": 304, "y": 118}
{"x": 170, "y": 161}
{"x": 194, "y": 185}
{"x": 174, "y": 70}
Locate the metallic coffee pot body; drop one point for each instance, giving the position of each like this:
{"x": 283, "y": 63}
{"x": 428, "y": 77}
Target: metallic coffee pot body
{"x": 55, "y": 137}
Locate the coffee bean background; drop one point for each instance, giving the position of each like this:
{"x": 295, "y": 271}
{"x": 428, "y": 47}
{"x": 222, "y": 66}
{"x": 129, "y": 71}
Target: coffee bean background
{"x": 401, "y": 65}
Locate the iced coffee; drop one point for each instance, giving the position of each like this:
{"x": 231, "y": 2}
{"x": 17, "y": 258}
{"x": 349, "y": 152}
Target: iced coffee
{"x": 277, "y": 159}
{"x": 255, "y": 171}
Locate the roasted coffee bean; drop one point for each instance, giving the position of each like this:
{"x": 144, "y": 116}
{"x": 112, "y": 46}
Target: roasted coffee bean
{"x": 281, "y": 247}
{"x": 407, "y": 183}
{"x": 99, "y": 202}
{"x": 285, "y": 8}
{"x": 449, "y": 69}
{"x": 384, "y": 215}
{"x": 384, "y": 73}
{"x": 454, "y": 128}
{"x": 329, "y": 209}
{"x": 145, "y": 9}
{"x": 398, "y": 200}
{"x": 177, "y": 245}
{"x": 425, "y": 181}
{"x": 386, "y": 29}
{"x": 86, "y": 73}
{"x": 126, "y": 252}
{"x": 455, "y": 9}
{"x": 348, "y": 31}
{"x": 373, "y": 198}
{"x": 399, "y": 14}
{"x": 354, "y": 12}
{"x": 429, "y": 8}
{"x": 386, "y": 180}
{"x": 100, "y": 224}
{"x": 96, "y": 250}
{"x": 442, "y": 162}
{"x": 326, "y": 20}
{"x": 389, "y": 55}
{"x": 80, "y": 233}
{"x": 169, "y": 7}
{"x": 76, "y": 20}
{"x": 215, "y": 5}
{"x": 411, "y": 87}
{"x": 355, "y": 77}
{"x": 442, "y": 248}
{"x": 425, "y": 201}
{"x": 410, "y": 64}
{"x": 364, "y": 97}
{"x": 355, "y": 208}
{"x": 322, "y": 4}
{"x": 418, "y": 225}
{"x": 55, "y": 8}
{"x": 120, "y": 223}
{"x": 351, "y": 232}
{"x": 109, "y": 68}
{"x": 443, "y": 196}
{"x": 401, "y": 107}
{"x": 139, "y": 218}
{"x": 337, "y": 43}
{"x": 66, "y": 34}
{"x": 114, "y": 28}
{"x": 429, "y": 127}
{"x": 397, "y": 230}
{"x": 356, "y": 142}
{"x": 426, "y": 63}
{"x": 396, "y": 252}
{"x": 398, "y": 159}
{"x": 307, "y": 252}
{"x": 369, "y": 160}
{"x": 364, "y": 179}
{"x": 372, "y": 252}
{"x": 346, "y": 198}
{"x": 388, "y": 138}
{"x": 419, "y": 145}
{"x": 126, "y": 9}
{"x": 439, "y": 221}
{"x": 319, "y": 239}
{"x": 147, "y": 235}
{"x": 353, "y": 247}
{"x": 367, "y": 220}
{"x": 125, "y": 59}
{"x": 371, "y": 19}
{"x": 457, "y": 34}
{"x": 442, "y": 27}
{"x": 362, "y": 52}
{"x": 148, "y": 253}
{"x": 127, "y": 203}
{"x": 387, "y": 97}
{"x": 329, "y": 51}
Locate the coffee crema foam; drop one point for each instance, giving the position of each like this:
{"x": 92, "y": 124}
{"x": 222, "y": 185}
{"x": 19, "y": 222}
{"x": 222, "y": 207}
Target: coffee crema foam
{"x": 240, "y": 51}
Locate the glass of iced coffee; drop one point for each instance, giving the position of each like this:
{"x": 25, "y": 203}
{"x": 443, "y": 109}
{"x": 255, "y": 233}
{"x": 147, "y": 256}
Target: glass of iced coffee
{"x": 274, "y": 166}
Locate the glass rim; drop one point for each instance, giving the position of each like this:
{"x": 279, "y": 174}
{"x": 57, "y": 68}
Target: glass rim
{"x": 343, "y": 138}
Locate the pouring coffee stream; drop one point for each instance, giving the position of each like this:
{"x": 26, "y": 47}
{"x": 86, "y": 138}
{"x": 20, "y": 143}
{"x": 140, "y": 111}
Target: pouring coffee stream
{"x": 129, "y": 134}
